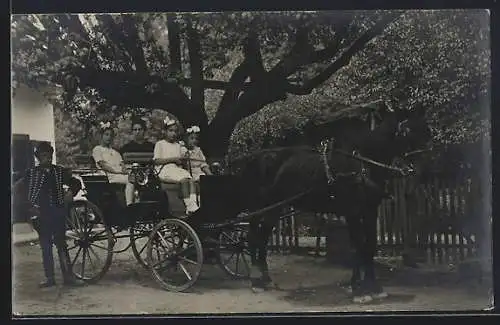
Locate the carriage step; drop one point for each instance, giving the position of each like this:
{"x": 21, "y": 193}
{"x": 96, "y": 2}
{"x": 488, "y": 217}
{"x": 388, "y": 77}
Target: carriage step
{"x": 209, "y": 226}
{"x": 71, "y": 233}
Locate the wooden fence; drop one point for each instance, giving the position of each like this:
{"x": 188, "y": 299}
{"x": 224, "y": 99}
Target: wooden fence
{"x": 435, "y": 220}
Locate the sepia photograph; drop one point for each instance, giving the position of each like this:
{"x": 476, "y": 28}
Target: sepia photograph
{"x": 249, "y": 162}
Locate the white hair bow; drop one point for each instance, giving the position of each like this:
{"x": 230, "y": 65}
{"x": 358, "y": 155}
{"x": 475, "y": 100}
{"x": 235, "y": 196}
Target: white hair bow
{"x": 168, "y": 122}
{"x": 193, "y": 129}
{"x": 106, "y": 125}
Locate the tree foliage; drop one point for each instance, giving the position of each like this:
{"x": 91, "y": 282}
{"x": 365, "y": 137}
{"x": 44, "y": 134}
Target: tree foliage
{"x": 438, "y": 59}
{"x": 263, "y": 72}
{"x": 122, "y": 60}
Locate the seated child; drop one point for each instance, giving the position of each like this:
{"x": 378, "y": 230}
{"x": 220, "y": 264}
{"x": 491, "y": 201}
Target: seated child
{"x": 191, "y": 150}
{"x": 167, "y": 155}
{"x": 110, "y": 161}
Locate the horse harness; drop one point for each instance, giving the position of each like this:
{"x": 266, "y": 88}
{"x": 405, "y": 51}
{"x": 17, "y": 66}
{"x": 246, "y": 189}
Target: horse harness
{"x": 326, "y": 145}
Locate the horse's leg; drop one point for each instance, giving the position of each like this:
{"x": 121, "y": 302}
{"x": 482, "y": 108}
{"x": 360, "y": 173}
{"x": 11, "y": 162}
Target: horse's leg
{"x": 320, "y": 223}
{"x": 370, "y": 283}
{"x": 356, "y": 237}
{"x": 254, "y": 240}
{"x": 262, "y": 256}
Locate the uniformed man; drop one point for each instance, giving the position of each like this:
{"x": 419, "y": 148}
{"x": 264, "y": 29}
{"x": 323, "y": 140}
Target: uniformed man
{"x": 48, "y": 206}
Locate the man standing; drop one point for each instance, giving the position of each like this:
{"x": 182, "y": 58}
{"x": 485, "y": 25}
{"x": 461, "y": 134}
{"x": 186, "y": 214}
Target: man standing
{"x": 138, "y": 143}
{"x": 48, "y": 202}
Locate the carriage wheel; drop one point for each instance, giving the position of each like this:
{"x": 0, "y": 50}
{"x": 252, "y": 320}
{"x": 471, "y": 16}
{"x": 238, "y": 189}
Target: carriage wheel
{"x": 175, "y": 255}
{"x": 234, "y": 255}
{"x": 139, "y": 236}
{"x": 90, "y": 244}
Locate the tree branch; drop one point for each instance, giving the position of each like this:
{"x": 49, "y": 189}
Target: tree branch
{"x": 251, "y": 50}
{"x": 343, "y": 60}
{"x": 196, "y": 64}
{"x": 134, "y": 44}
{"x": 252, "y": 66}
{"x": 174, "y": 44}
{"x": 118, "y": 41}
{"x": 80, "y": 35}
{"x": 127, "y": 89}
{"x": 332, "y": 49}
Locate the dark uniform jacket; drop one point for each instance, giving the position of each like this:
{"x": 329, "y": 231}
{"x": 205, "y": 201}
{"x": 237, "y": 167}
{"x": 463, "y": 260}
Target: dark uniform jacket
{"x": 133, "y": 146}
{"x": 45, "y": 188}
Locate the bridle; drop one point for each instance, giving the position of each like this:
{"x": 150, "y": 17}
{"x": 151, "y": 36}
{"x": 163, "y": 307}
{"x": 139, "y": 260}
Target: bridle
{"x": 327, "y": 149}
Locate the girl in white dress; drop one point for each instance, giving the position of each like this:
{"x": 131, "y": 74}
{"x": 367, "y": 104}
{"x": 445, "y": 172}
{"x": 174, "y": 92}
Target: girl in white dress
{"x": 191, "y": 150}
{"x": 110, "y": 161}
{"x": 168, "y": 157}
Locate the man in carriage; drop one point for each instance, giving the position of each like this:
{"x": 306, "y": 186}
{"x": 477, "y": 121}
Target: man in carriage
{"x": 138, "y": 142}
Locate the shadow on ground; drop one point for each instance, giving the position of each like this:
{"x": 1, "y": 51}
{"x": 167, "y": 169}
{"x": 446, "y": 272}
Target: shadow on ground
{"x": 333, "y": 295}
{"x": 422, "y": 276}
{"x": 130, "y": 272}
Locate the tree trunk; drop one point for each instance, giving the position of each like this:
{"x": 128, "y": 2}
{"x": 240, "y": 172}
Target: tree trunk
{"x": 197, "y": 89}
{"x": 258, "y": 95}
{"x": 174, "y": 45}
{"x": 215, "y": 140}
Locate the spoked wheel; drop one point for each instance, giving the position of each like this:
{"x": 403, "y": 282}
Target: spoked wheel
{"x": 234, "y": 255}
{"x": 139, "y": 237}
{"x": 175, "y": 255}
{"x": 90, "y": 244}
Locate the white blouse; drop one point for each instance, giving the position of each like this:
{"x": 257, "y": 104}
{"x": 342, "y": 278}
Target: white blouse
{"x": 164, "y": 150}
{"x": 109, "y": 155}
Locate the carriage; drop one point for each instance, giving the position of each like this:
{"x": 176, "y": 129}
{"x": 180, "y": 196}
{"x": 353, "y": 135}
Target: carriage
{"x": 170, "y": 245}
{"x": 174, "y": 248}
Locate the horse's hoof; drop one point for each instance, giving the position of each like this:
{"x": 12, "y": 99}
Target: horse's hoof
{"x": 348, "y": 289}
{"x": 271, "y": 286}
{"x": 380, "y": 295}
{"x": 362, "y": 299}
{"x": 257, "y": 289}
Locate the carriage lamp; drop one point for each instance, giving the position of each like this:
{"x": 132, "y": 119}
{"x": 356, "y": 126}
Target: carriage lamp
{"x": 137, "y": 175}
{"x": 216, "y": 168}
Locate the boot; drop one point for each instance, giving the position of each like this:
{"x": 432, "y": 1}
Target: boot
{"x": 47, "y": 283}
{"x": 193, "y": 198}
{"x": 190, "y": 203}
{"x": 64, "y": 262}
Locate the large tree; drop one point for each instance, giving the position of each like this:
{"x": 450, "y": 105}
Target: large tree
{"x": 167, "y": 61}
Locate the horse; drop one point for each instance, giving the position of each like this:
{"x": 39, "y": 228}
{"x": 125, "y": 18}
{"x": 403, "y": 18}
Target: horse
{"x": 345, "y": 175}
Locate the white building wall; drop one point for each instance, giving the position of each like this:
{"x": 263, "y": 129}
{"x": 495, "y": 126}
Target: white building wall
{"x": 32, "y": 114}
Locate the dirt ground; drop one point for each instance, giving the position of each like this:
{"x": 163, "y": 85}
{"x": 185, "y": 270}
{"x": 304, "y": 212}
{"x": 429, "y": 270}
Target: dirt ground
{"x": 305, "y": 284}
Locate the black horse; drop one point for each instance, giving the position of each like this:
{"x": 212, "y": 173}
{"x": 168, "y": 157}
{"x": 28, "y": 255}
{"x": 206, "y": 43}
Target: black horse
{"x": 345, "y": 174}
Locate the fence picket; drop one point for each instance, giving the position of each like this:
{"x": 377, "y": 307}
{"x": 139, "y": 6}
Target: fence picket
{"x": 429, "y": 218}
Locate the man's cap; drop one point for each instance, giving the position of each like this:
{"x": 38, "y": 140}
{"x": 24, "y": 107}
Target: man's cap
{"x": 44, "y": 147}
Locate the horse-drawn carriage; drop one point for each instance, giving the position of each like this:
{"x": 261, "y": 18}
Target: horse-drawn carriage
{"x": 172, "y": 246}
{"x": 345, "y": 176}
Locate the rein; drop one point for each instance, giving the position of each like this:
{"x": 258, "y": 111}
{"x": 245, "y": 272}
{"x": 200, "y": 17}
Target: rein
{"x": 326, "y": 144}
{"x": 357, "y": 156}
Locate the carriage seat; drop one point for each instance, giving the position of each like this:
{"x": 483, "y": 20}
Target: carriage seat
{"x": 87, "y": 162}
{"x": 95, "y": 180}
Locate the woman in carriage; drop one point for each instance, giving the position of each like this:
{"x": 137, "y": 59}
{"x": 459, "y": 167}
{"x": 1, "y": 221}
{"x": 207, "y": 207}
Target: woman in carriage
{"x": 168, "y": 157}
{"x": 111, "y": 162}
